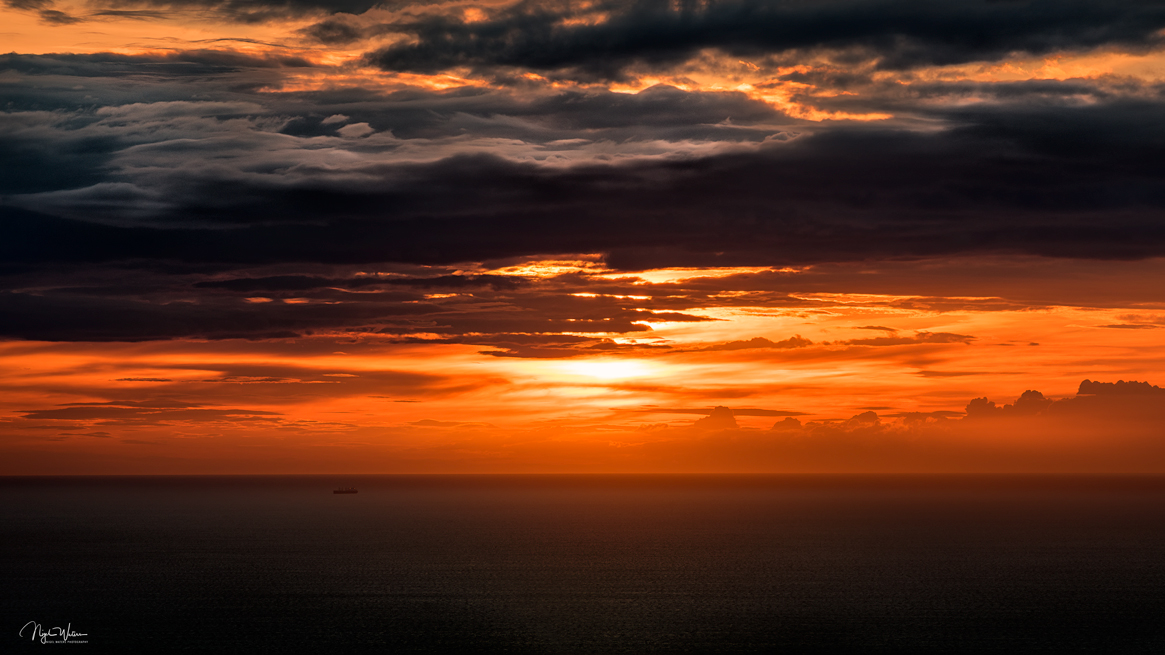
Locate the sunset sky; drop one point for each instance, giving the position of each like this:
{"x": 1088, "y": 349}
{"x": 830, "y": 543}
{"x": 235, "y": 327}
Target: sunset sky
{"x": 317, "y": 236}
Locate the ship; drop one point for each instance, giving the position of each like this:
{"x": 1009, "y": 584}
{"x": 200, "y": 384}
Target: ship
{"x": 346, "y": 490}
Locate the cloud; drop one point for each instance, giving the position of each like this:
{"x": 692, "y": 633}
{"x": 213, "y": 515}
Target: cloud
{"x": 28, "y": 5}
{"x": 1114, "y": 430}
{"x": 67, "y": 316}
{"x": 126, "y": 296}
{"x": 254, "y": 11}
{"x": 739, "y": 411}
{"x": 334, "y": 31}
{"x": 789, "y": 423}
{"x": 948, "y": 374}
{"x": 56, "y": 17}
{"x": 431, "y": 423}
{"x": 1119, "y": 388}
{"x": 1107, "y": 401}
{"x": 603, "y": 41}
{"x": 45, "y": 8}
{"x": 355, "y": 130}
{"x": 919, "y": 337}
{"x": 571, "y": 171}
{"x": 1110, "y": 430}
{"x": 840, "y": 195}
{"x": 114, "y": 414}
{"x": 1029, "y": 404}
{"x": 132, "y": 211}
{"x": 795, "y": 341}
{"x": 720, "y": 418}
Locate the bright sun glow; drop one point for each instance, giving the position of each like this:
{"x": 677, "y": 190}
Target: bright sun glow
{"x": 608, "y": 369}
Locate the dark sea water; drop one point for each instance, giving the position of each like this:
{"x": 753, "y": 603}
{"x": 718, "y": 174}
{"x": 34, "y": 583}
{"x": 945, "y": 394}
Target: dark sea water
{"x": 585, "y": 564}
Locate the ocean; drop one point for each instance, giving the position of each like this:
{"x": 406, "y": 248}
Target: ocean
{"x": 584, "y": 564}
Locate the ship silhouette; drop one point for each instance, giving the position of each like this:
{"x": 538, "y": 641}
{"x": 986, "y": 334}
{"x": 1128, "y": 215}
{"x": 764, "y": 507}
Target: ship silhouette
{"x": 345, "y": 490}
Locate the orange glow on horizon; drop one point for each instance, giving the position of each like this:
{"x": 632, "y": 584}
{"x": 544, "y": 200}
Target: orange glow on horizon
{"x": 417, "y": 397}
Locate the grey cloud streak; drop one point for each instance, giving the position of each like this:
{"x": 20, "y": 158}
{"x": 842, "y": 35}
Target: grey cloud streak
{"x": 241, "y": 11}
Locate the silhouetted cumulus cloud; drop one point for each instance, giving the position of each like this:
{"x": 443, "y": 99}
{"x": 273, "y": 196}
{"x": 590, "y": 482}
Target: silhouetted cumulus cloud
{"x": 1119, "y": 388}
{"x": 788, "y": 423}
{"x": 1030, "y": 403}
{"x": 1098, "y": 406}
{"x": 721, "y": 418}
{"x": 1108, "y": 400}
{"x": 1113, "y": 426}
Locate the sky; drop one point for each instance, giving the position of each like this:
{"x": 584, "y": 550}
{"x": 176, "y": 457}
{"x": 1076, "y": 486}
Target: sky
{"x": 720, "y": 236}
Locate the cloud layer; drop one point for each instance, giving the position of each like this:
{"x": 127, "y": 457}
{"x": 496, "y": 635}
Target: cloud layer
{"x": 106, "y": 172}
{"x": 283, "y": 218}
{"x": 603, "y": 39}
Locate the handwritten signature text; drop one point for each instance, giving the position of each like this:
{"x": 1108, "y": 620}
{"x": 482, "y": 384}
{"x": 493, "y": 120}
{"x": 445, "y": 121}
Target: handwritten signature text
{"x": 52, "y": 635}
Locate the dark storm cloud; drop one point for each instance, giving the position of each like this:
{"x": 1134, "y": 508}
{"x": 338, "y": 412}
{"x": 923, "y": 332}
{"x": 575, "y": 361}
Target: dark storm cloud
{"x": 603, "y": 41}
{"x": 1080, "y": 182}
{"x": 1016, "y": 176}
{"x": 132, "y": 211}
